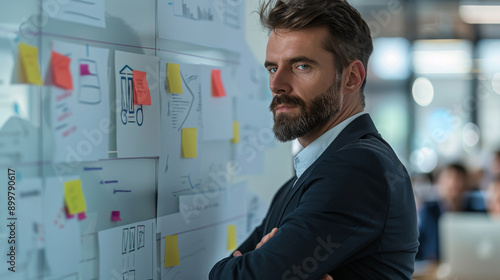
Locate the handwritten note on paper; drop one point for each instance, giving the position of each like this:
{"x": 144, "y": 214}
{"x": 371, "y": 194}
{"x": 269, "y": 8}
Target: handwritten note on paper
{"x": 236, "y": 132}
{"x": 231, "y": 238}
{"x": 171, "y": 251}
{"x": 142, "y": 96}
{"x": 73, "y": 197}
{"x": 61, "y": 74}
{"x": 174, "y": 82}
{"x": 29, "y": 62}
{"x": 217, "y": 85}
{"x": 189, "y": 142}
{"x": 84, "y": 70}
{"x": 115, "y": 216}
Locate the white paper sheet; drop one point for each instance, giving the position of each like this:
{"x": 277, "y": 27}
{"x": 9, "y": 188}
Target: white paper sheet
{"x": 202, "y": 231}
{"x": 128, "y": 252}
{"x": 80, "y": 117}
{"x": 255, "y": 123}
{"x": 89, "y": 12}
{"x": 30, "y": 222}
{"x": 137, "y": 126}
{"x": 178, "y": 174}
{"x": 193, "y": 21}
{"x": 62, "y": 235}
{"x": 217, "y": 111}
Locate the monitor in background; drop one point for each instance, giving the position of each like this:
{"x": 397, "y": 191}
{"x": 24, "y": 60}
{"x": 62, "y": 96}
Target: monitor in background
{"x": 470, "y": 246}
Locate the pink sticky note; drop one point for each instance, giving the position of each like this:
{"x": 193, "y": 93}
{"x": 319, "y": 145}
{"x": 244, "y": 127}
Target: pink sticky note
{"x": 68, "y": 215}
{"x": 82, "y": 216}
{"x": 141, "y": 88}
{"x": 115, "y": 216}
{"x": 61, "y": 74}
{"x": 84, "y": 70}
{"x": 217, "y": 85}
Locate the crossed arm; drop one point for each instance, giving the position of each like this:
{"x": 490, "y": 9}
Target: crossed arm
{"x": 264, "y": 240}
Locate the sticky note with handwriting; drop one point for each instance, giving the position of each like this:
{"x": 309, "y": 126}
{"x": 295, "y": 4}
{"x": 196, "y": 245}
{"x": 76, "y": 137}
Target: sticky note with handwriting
{"x": 171, "y": 251}
{"x": 189, "y": 142}
{"x": 231, "y": 238}
{"x": 174, "y": 80}
{"x": 61, "y": 73}
{"x": 29, "y": 64}
{"x": 217, "y": 85}
{"x": 73, "y": 197}
{"x": 142, "y": 96}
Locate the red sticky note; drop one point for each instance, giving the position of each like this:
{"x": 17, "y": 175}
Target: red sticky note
{"x": 115, "y": 216}
{"x": 68, "y": 215}
{"x": 84, "y": 70}
{"x": 61, "y": 73}
{"x": 142, "y": 96}
{"x": 217, "y": 85}
{"x": 82, "y": 216}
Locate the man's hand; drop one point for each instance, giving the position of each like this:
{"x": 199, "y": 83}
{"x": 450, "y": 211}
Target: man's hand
{"x": 266, "y": 238}
{"x": 264, "y": 241}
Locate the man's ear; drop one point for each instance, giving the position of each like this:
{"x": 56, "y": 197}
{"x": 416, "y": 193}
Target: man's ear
{"x": 354, "y": 75}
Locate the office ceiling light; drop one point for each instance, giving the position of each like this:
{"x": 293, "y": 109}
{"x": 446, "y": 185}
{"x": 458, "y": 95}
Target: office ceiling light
{"x": 480, "y": 14}
{"x": 422, "y": 91}
{"x": 442, "y": 57}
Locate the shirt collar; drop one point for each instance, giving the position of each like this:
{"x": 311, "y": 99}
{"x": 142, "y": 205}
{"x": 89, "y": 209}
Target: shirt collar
{"x": 311, "y": 153}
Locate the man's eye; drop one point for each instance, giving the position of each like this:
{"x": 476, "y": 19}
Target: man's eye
{"x": 272, "y": 70}
{"x": 303, "y": 67}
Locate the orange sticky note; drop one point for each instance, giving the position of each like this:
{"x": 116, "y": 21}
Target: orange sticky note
{"x": 73, "y": 197}
{"x": 217, "y": 85}
{"x": 171, "y": 251}
{"x": 231, "y": 238}
{"x": 236, "y": 132}
{"x": 61, "y": 74}
{"x": 189, "y": 142}
{"x": 29, "y": 64}
{"x": 174, "y": 81}
{"x": 142, "y": 96}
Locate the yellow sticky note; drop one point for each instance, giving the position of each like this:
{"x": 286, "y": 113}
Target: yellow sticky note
{"x": 29, "y": 64}
{"x": 73, "y": 196}
{"x": 171, "y": 251}
{"x": 189, "y": 142}
{"x": 174, "y": 82}
{"x": 231, "y": 238}
{"x": 236, "y": 132}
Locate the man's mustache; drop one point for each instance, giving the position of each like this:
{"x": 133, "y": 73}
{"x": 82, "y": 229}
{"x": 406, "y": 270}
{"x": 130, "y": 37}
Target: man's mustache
{"x": 285, "y": 99}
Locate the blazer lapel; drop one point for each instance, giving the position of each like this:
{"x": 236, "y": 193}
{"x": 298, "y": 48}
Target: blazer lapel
{"x": 361, "y": 126}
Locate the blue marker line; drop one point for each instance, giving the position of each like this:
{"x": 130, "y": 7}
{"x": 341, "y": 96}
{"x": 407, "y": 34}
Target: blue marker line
{"x": 115, "y": 191}
{"x": 92, "y": 168}
{"x": 109, "y": 182}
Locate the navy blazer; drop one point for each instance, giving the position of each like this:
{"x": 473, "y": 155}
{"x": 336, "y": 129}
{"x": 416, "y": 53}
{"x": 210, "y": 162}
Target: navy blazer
{"x": 351, "y": 214}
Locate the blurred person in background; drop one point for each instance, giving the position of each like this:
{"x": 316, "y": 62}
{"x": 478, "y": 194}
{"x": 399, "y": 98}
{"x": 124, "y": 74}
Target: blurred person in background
{"x": 493, "y": 198}
{"x": 451, "y": 187}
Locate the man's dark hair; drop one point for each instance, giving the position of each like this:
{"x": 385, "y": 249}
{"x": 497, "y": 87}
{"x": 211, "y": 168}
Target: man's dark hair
{"x": 457, "y": 167}
{"x": 350, "y": 37}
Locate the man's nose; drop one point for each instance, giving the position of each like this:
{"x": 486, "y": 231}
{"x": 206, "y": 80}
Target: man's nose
{"x": 280, "y": 82}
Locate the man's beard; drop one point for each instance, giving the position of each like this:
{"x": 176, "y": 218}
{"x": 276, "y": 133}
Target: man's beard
{"x": 289, "y": 126}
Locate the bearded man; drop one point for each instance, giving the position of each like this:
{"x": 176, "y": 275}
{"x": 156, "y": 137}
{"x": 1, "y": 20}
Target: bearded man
{"x": 349, "y": 212}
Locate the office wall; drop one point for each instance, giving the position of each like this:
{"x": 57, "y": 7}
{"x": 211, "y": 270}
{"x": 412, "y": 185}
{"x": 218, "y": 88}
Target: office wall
{"x": 103, "y": 187}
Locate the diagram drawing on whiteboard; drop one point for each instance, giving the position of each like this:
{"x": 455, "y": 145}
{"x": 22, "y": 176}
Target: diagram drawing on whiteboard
{"x": 225, "y": 10}
{"x": 130, "y": 113}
